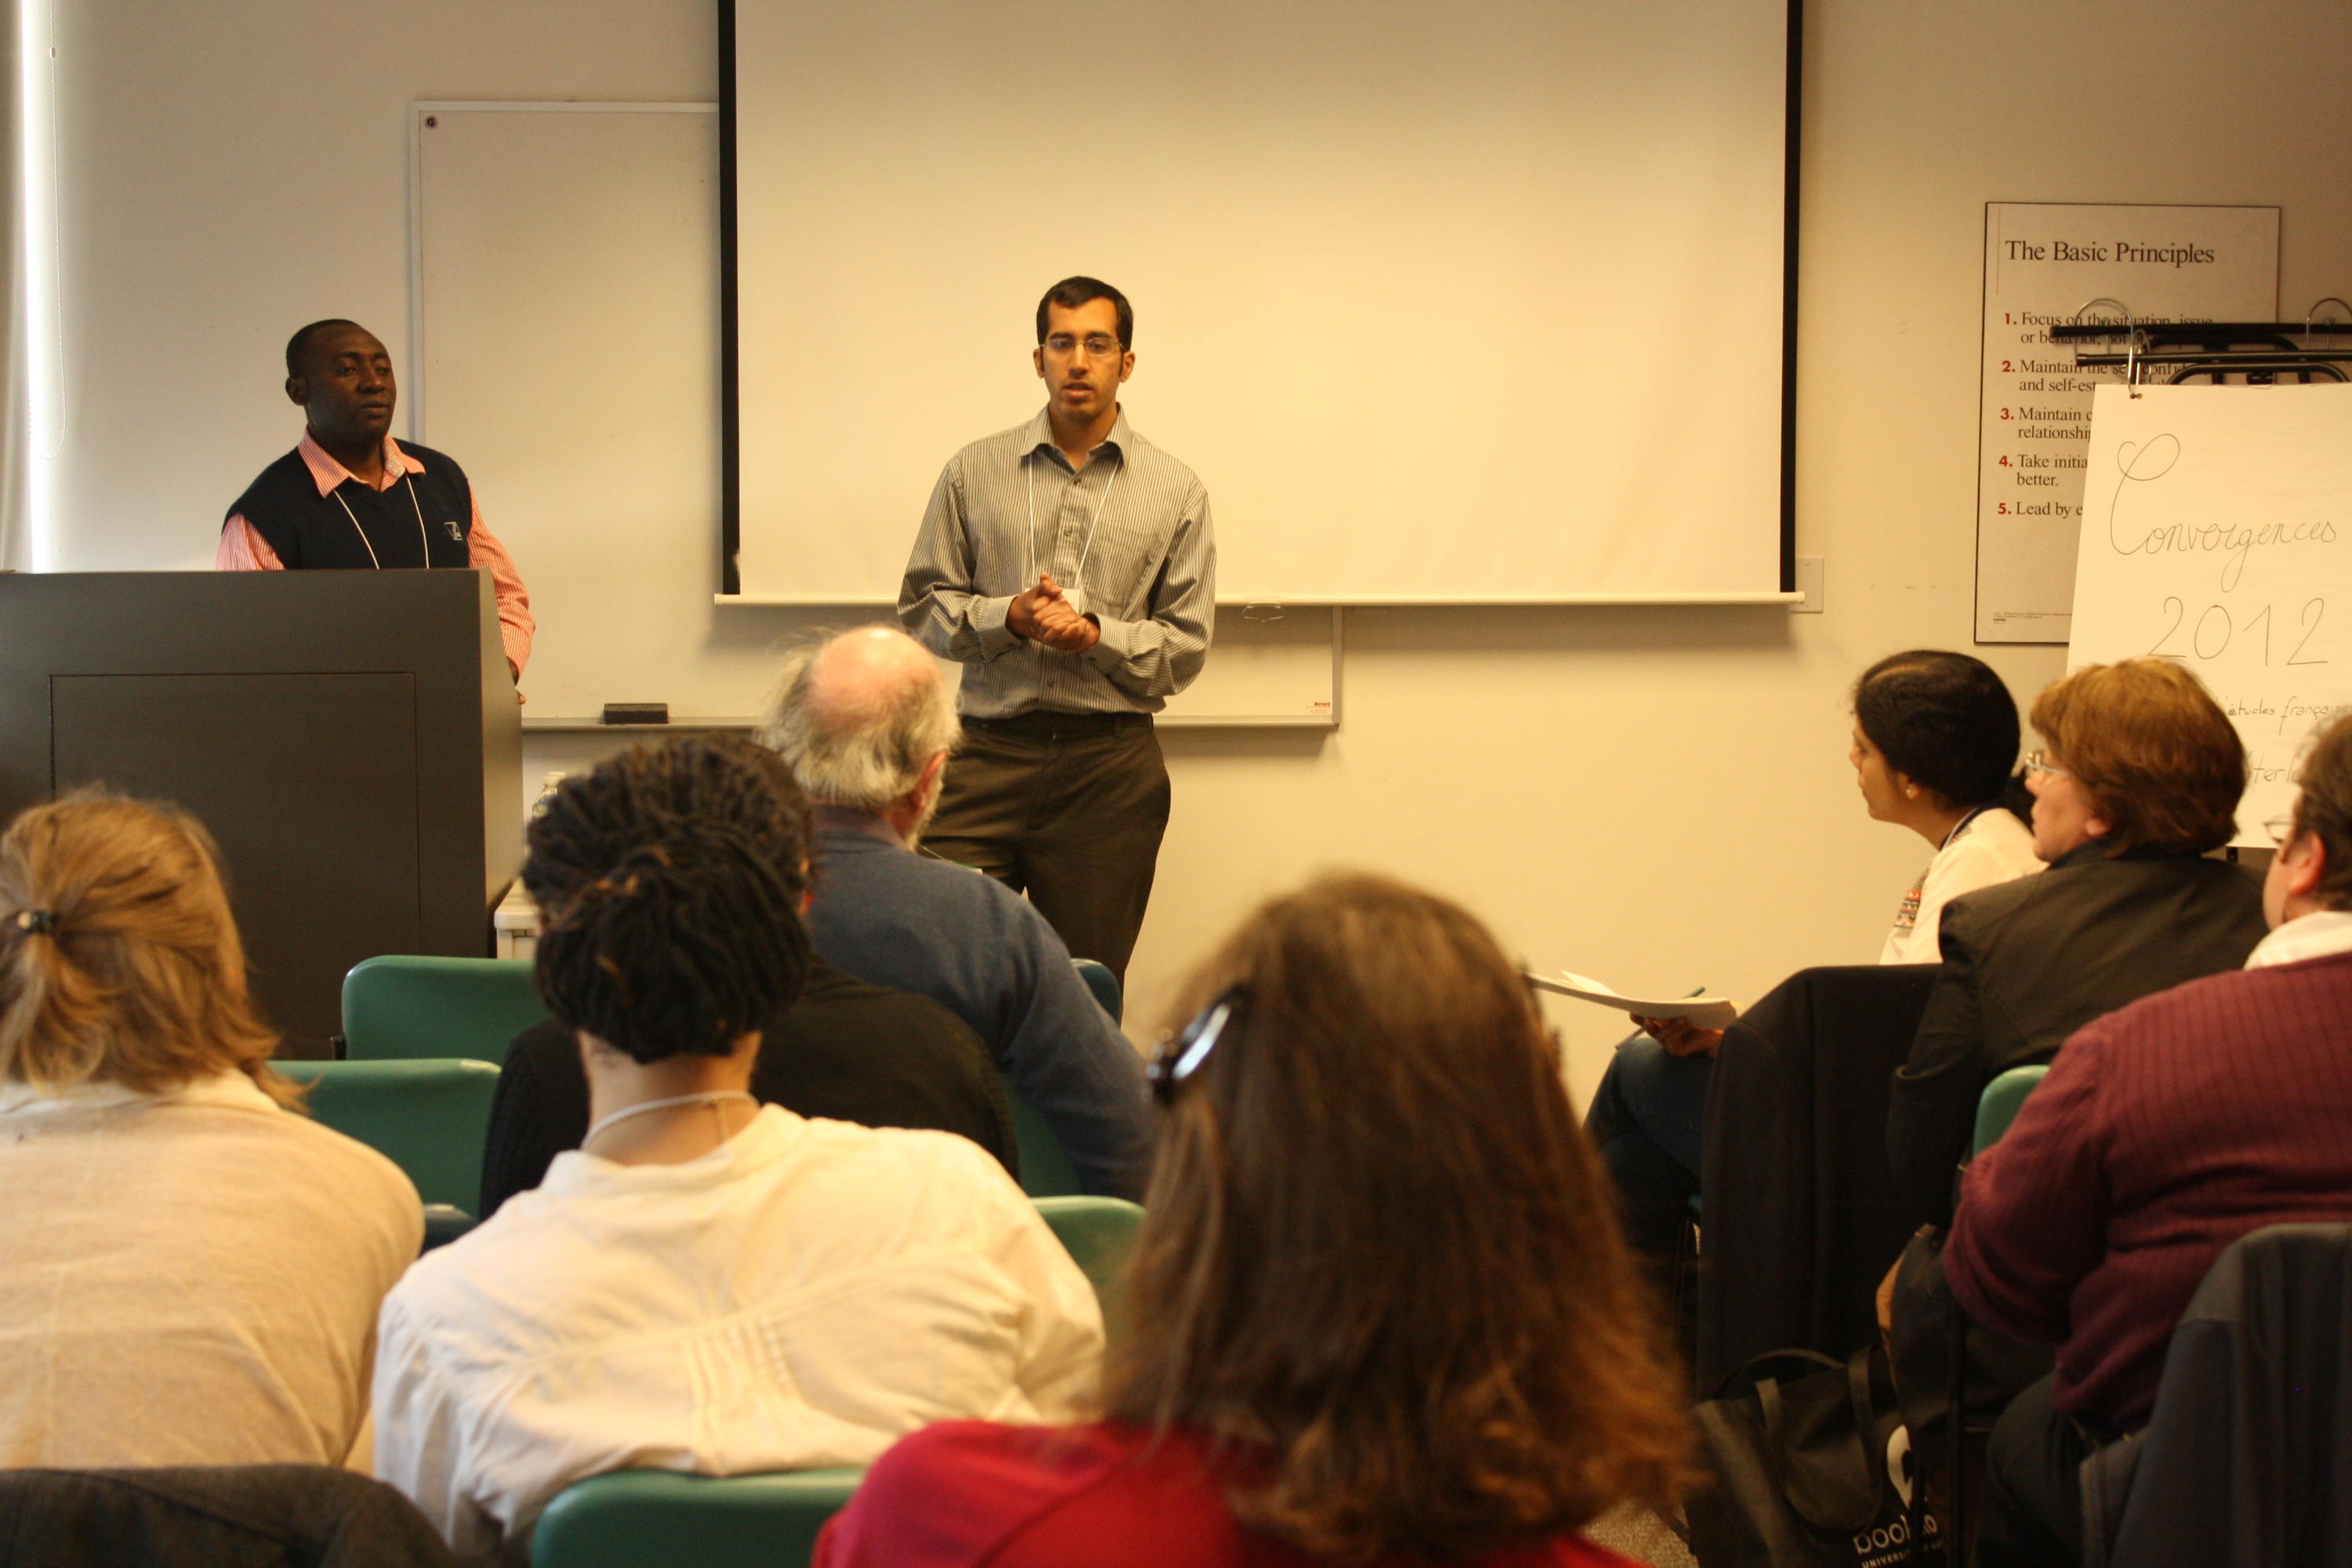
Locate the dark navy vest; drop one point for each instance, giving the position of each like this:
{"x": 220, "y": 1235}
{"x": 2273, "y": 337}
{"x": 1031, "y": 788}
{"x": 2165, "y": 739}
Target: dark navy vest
{"x": 310, "y": 530}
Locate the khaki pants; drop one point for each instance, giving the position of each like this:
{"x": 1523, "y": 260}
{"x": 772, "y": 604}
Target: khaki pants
{"x": 1068, "y": 808}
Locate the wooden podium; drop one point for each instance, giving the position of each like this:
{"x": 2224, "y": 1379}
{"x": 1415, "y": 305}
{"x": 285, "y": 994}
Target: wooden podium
{"x": 350, "y": 738}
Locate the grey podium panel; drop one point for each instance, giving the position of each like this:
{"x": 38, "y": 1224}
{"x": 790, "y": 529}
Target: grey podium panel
{"x": 350, "y": 738}
{"x": 309, "y": 784}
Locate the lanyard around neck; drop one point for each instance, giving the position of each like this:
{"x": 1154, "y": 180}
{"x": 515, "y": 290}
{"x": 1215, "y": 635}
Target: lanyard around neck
{"x": 1029, "y": 555}
{"x": 423, "y": 542}
{"x": 1959, "y": 827}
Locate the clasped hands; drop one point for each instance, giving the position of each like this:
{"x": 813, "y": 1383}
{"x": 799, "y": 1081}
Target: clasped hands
{"x": 1043, "y": 615}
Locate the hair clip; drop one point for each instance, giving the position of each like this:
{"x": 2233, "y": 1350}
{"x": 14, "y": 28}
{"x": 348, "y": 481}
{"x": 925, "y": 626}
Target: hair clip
{"x": 35, "y": 923}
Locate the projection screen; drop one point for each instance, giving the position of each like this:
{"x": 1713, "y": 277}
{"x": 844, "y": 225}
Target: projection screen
{"x": 1485, "y": 300}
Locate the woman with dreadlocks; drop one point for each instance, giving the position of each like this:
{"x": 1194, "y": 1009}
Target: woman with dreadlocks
{"x": 708, "y": 1284}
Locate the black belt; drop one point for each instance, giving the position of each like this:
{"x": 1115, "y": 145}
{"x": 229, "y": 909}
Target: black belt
{"x": 1041, "y": 724}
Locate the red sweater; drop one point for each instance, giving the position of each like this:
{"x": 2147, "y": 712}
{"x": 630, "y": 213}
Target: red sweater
{"x": 970, "y": 1492}
{"x": 2164, "y": 1133}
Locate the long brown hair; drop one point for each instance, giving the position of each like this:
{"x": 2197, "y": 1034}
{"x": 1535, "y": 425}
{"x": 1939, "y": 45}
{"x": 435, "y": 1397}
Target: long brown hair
{"x": 1378, "y": 1252}
{"x": 119, "y": 961}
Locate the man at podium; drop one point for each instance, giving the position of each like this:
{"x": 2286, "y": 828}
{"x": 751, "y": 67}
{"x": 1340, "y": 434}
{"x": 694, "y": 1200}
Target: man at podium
{"x": 349, "y": 497}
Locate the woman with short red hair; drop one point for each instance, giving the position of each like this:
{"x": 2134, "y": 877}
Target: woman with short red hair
{"x": 2138, "y": 777}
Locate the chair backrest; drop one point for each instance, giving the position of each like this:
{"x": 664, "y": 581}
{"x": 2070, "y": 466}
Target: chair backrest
{"x": 653, "y": 1519}
{"x": 1792, "y": 1247}
{"x": 1099, "y": 1232}
{"x": 2002, "y": 1097}
{"x": 403, "y": 1006}
{"x": 2241, "y": 1463}
{"x": 429, "y": 1118}
{"x": 1103, "y": 983}
{"x": 1046, "y": 1168}
{"x": 201, "y": 1516}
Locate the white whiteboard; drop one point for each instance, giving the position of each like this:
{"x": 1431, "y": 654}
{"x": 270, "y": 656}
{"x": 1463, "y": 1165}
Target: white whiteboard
{"x": 1446, "y": 301}
{"x": 2217, "y": 532}
{"x": 564, "y": 269}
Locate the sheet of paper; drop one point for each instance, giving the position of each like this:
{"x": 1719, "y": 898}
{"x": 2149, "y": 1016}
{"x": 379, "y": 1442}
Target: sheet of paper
{"x": 2217, "y": 532}
{"x": 1708, "y": 1012}
{"x": 2044, "y": 261}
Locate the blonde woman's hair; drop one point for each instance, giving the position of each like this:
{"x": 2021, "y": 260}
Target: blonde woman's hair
{"x": 119, "y": 961}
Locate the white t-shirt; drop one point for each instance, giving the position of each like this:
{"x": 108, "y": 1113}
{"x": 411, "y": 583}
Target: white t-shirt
{"x": 797, "y": 1298}
{"x": 1991, "y": 847}
{"x": 189, "y": 1278}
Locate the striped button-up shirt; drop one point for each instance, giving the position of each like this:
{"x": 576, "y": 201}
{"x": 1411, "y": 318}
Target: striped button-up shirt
{"x": 1130, "y": 530}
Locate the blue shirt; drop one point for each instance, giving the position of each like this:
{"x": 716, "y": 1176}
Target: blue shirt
{"x": 895, "y": 918}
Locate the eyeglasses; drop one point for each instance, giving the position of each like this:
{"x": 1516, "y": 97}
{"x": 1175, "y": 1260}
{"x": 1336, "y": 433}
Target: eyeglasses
{"x": 1181, "y": 1057}
{"x": 1099, "y": 345}
{"x": 2038, "y": 761}
{"x": 2281, "y": 829}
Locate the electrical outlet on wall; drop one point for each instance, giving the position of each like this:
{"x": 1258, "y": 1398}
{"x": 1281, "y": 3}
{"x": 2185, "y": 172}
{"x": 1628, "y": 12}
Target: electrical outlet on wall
{"x": 1809, "y": 578}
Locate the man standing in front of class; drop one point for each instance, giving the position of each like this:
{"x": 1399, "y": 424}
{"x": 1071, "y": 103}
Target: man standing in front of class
{"x": 1067, "y": 563}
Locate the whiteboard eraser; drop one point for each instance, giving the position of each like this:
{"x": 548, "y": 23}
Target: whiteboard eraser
{"x": 636, "y": 713}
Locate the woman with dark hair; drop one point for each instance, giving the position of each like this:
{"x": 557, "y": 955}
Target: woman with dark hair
{"x": 2139, "y": 777}
{"x": 1378, "y": 1310}
{"x": 707, "y": 1284}
{"x": 1935, "y": 738}
{"x": 842, "y": 1049}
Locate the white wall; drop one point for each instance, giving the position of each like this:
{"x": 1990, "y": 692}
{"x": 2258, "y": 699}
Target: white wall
{"x": 1656, "y": 795}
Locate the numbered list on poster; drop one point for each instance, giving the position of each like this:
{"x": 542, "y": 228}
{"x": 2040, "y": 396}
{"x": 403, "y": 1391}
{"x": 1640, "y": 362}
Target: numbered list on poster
{"x": 2044, "y": 264}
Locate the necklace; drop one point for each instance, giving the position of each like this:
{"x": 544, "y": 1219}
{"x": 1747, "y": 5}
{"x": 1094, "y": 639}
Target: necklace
{"x": 1959, "y": 827}
{"x": 712, "y": 1099}
{"x": 423, "y": 544}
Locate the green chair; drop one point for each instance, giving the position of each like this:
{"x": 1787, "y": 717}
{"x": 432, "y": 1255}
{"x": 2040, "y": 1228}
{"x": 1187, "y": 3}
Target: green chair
{"x": 1099, "y": 1233}
{"x": 654, "y": 1519}
{"x": 1046, "y": 1168}
{"x": 429, "y": 1118}
{"x": 1103, "y": 983}
{"x": 1997, "y": 1106}
{"x": 2002, "y": 1100}
{"x": 406, "y": 1007}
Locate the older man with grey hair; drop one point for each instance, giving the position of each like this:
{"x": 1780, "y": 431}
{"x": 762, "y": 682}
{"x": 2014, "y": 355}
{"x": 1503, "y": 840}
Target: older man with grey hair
{"x": 866, "y": 723}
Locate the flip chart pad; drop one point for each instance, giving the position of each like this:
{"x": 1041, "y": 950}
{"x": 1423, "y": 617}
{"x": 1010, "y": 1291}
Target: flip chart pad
{"x": 2217, "y": 532}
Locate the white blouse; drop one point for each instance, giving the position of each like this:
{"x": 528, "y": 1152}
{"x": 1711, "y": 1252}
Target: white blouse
{"x": 1991, "y": 847}
{"x": 799, "y": 1297}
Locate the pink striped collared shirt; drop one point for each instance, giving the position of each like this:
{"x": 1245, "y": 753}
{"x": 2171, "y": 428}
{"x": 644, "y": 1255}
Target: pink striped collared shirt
{"x": 244, "y": 549}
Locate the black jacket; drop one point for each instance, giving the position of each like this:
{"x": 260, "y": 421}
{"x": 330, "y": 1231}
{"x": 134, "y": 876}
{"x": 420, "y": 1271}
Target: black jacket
{"x": 2242, "y": 1464}
{"x": 846, "y": 1051}
{"x": 2028, "y": 962}
{"x": 1800, "y": 1217}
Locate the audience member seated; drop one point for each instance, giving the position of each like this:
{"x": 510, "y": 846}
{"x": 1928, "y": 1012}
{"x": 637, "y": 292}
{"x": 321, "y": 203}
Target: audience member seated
{"x": 846, "y": 1050}
{"x": 1935, "y": 737}
{"x": 191, "y": 1269}
{"x": 2164, "y": 1133}
{"x": 866, "y": 723}
{"x": 708, "y": 1284}
{"x": 2138, "y": 776}
{"x": 1379, "y": 1311}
